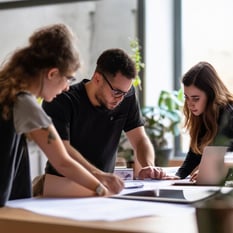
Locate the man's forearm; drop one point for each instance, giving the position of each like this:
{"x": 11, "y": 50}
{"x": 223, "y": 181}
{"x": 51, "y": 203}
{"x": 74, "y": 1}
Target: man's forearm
{"x": 145, "y": 154}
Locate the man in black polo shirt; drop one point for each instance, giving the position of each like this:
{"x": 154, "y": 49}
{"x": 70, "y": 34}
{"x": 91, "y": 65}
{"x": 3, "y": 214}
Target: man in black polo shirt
{"x": 91, "y": 116}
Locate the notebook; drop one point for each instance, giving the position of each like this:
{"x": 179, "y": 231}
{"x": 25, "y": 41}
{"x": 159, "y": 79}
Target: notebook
{"x": 212, "y": 170}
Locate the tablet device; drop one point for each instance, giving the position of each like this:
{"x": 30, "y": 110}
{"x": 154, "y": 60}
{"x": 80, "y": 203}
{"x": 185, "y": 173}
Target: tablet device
{"x": 171, "y": 195}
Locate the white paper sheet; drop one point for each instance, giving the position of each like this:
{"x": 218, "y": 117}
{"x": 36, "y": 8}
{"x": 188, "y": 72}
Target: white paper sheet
{"x": 104, "y": 209}
{"x": 99, "y": 209}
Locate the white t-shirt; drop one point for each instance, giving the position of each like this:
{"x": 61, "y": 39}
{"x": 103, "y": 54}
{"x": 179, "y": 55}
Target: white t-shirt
{"x": 28, "y": 114}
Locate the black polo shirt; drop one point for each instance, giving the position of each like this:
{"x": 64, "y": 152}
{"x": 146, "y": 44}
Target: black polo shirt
{"x": 95, "y": 132}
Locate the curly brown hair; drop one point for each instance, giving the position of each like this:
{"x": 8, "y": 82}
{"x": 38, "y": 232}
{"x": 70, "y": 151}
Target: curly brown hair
{"x": 52, "y": 46}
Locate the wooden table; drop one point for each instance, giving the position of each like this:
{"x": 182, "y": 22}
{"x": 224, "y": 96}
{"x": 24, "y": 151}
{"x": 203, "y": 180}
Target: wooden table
{"x": 22, "y": 221}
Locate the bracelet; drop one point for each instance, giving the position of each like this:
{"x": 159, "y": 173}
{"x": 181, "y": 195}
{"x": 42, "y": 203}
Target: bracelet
{"x": 100, "y": 191}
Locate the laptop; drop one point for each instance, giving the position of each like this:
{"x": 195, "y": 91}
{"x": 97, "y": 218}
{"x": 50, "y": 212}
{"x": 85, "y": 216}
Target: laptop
{"x": 212, "y": 170}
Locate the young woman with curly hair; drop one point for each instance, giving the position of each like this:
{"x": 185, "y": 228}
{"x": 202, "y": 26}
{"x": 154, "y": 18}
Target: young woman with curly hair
{"x": 42, "y": 69}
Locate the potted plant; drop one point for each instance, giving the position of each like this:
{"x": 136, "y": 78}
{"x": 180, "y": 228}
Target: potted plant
{"x": 163, "y": 119}
{"x": 159, "y": 120}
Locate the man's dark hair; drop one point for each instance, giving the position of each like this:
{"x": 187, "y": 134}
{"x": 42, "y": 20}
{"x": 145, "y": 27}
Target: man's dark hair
{"x": 113, "y": 61}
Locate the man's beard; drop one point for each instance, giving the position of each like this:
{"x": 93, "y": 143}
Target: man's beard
{"x": 101, "y": 103}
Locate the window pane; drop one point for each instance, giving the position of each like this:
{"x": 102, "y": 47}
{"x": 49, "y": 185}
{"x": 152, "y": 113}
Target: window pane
{"x": 208, "y": 35}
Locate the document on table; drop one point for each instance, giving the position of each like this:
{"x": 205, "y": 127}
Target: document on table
{"x": 104, "y": 209}
{"x": 99, "y": 209}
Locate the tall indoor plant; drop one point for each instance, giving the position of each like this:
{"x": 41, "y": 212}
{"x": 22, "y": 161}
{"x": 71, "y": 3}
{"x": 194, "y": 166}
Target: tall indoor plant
{"x": 162, "y": 120}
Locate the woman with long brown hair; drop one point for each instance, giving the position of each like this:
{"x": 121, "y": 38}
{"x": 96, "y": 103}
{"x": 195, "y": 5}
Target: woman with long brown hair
{"x": 208, "y": 111}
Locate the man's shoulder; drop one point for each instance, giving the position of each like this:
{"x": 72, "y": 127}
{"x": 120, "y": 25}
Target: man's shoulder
{"x": 77, "y": 88}
{"x": 75, "y": 92}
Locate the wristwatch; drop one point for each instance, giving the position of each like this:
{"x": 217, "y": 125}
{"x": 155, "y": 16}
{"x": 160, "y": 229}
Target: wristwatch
{"x": 100, "y": 191}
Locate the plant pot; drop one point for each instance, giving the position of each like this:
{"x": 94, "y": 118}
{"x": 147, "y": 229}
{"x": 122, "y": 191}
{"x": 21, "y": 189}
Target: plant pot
{"x": 162, "y": 157}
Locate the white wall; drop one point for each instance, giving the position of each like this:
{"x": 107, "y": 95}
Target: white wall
{"x": 98, "y": 24}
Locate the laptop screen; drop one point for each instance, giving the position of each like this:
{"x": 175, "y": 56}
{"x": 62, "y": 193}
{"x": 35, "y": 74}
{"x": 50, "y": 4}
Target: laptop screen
{"x": 212, "y": 170}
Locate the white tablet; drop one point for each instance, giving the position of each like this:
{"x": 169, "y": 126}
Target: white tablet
{"x": 171, "y": 195}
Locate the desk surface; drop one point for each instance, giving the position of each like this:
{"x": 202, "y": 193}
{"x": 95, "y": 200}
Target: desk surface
{"x": 23, "y": 221}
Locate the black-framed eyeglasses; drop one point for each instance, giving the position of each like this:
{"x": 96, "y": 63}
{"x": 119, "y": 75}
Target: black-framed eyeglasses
{"x": 115, "y": 92}
{"x": 70, "y": 79}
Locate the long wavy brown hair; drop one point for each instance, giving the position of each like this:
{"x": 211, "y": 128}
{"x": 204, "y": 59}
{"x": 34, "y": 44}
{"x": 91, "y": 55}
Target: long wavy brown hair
{"x": 204, "y": 77}
{"x": 52, "y": 46}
